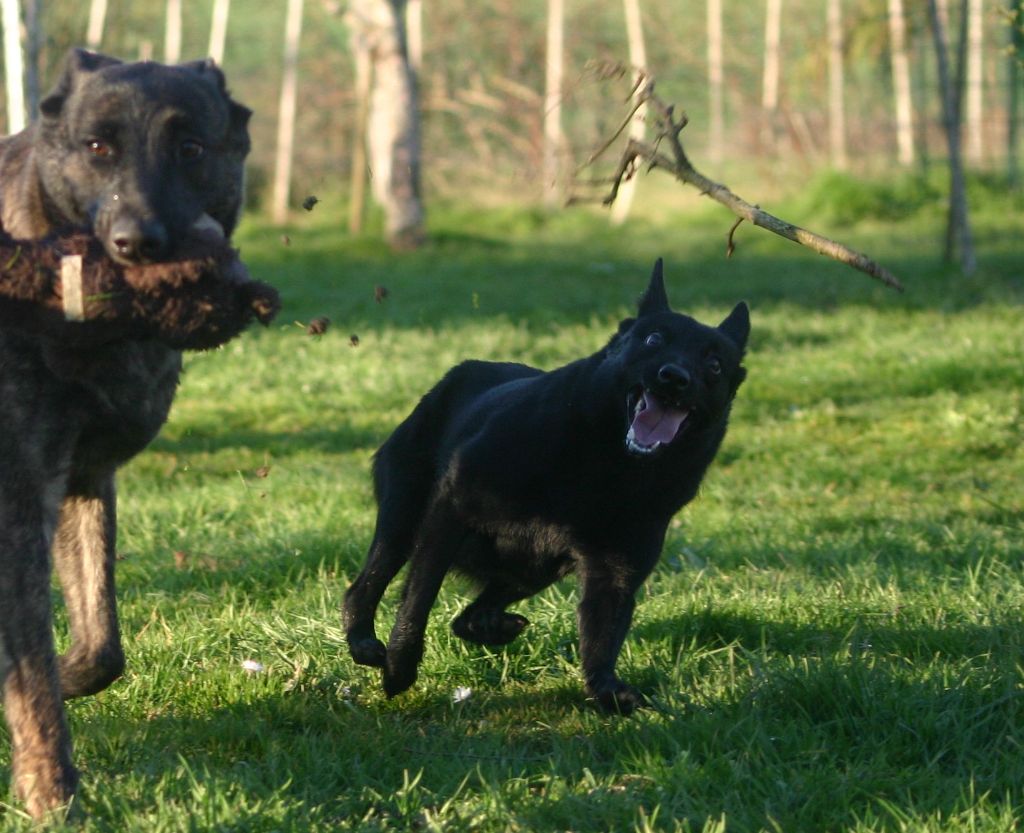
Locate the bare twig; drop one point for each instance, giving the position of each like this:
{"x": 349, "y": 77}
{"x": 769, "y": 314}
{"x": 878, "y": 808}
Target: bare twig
{"x": 668, "y": 128}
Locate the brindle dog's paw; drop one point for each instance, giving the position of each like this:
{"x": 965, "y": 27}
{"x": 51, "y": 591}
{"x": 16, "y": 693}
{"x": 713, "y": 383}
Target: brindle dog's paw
{"x": 489, "y": 627}
{"x": 621, "y": 699}
{"x": 82, "y": 674}
{"x": 368, "y": 651}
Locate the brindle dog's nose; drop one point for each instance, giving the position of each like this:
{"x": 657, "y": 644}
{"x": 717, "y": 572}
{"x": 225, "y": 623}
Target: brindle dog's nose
{"x": 138, "y": 240}
{"x": 674, "y": 376}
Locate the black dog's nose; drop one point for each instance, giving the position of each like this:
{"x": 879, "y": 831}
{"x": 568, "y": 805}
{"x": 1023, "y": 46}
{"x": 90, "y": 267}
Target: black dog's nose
{"x": 674, "y": 376}
{"x": 138, "y": 240}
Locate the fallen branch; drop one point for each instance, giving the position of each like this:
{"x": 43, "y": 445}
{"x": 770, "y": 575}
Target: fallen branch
{"x": 667, "y": 131}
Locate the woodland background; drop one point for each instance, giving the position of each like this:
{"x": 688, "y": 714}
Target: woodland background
{"x": 482, "y": 77}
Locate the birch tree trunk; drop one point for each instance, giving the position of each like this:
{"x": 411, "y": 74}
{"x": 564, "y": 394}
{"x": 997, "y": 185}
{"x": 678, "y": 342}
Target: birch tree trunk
{"x": 901, "y": 82}
{"x": 975, "y": 38}
{"x": 97, "y": 19}
{"x": 286, "y": 112}
{"x": 393, "y": 122}
{"x": 14, "y": 66}
{"x": 716, "y": 76}
{"x": 553, "y": 102}
{"x": 219, "y": 29}
{"x": 172, "y": 33}
{"x": 837, "y": 108}
{"x": 958, "y": 230}
{"x": 637, "y": 127}
{"x": 770, "y": 81}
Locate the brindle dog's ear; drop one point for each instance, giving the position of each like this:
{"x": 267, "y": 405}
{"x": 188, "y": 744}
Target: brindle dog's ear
{"x": 78, "y": 62}
{"x": 654, "y": 298}
{"x": 737, "y": 325}
{"x": 240, "y": 114}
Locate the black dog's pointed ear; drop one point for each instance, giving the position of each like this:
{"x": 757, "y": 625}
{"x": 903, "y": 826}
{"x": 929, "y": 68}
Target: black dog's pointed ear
{"x": 78, "y": 62}
{"x": 654, "y": 298}
{"x": 737, "y": 325}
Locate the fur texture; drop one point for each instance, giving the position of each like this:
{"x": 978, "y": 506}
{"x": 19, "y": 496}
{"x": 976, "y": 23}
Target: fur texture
{"x": 199, "y": 299}
{"x": 517, "y": 477}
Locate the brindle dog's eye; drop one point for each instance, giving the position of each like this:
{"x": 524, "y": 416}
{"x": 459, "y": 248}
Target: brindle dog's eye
{"x": 653, "y": 340}
{"x": 191, "y": 149}
{"x": 714, "y": 366}
{"x": 99, "y": 149}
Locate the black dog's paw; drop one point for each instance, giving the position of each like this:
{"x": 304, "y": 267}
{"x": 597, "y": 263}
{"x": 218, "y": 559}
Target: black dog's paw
{"x": 398, "y": 674}
{"x": 619, "y": 699}
{"x": 368, "y": 651}
{"x": 489, "y": 627}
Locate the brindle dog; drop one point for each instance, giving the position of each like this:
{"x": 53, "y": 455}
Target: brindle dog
{"x": 140, "y": 152}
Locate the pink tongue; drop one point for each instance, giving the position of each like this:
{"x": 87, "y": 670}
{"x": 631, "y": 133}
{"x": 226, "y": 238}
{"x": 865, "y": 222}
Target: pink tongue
{"x": 655, "y": 423}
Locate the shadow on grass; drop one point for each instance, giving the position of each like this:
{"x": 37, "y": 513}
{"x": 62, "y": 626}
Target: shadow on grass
{"x": 796, "y": 746}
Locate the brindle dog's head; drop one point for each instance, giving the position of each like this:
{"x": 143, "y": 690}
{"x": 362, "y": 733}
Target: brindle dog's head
{"x": 678, "y": 377}
{"x": 141, "y": 152}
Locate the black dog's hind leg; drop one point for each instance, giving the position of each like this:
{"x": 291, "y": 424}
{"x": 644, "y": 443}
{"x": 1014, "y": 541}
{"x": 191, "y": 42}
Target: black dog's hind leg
{"x": 604, "y": 614}
{"x": 485, "y": 620}
{"x": 403, "y": 493}
{"x": 440, "y": 537}
{"x": 43, "y": 774}
{"x": 385, "y": 559}
{"x": 84, "y": 555}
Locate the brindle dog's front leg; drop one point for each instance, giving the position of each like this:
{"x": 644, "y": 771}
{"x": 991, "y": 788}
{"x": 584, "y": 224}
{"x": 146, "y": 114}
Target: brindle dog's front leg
{"x": 84, "y": 553}
{"x": 43, "y": 775}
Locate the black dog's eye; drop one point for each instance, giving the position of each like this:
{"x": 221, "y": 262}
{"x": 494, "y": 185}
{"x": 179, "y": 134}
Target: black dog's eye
{"x": 191, "y": 149}
{"x": 714, "y": 366}
{"x": 99, "y": 149}
{"x": 653, "y": 340}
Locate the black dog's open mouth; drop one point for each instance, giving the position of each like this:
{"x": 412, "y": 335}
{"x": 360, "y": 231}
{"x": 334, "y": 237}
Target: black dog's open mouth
{"x": 653, "y": 423}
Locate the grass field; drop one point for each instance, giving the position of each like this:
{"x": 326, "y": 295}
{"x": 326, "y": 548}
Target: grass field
{"x": 834, "y": 638}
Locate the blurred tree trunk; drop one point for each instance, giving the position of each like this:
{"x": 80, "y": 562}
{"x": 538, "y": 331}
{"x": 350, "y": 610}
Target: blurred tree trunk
{"x": 770, "y": 81}
{"x": 219, "y": 29}
{"x": 958, "y": 229}
{"x": 901, "y": 82}
{"x": 393, "y": 124}
{"x": 837, "y": 108}
{"x": 553, "y": 102}
{"x": 637, "y": 127}
{"x": 357, "y": 200}
{"x": 14, "y": 66}
{"x": 33, "y": 45}
{"x": 414, "y": 27}
{"x": 716, "y": 77}
{"x": 172, "y": 33}
{"x": 975, "y": 37}
{"x": 286, "y": 112}
{"x": 1014, "y": 91}
{"x": 97, "y": 19}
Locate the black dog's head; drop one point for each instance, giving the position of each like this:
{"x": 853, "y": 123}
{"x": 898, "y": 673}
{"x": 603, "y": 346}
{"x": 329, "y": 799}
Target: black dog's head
{"x": 677, "y": 375}
{"x": 141, "y": 152}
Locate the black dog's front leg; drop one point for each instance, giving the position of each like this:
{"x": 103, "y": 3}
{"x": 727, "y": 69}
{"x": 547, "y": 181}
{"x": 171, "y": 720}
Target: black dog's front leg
{"x": 440, "y": 536}
{"x": 604, "y": 614}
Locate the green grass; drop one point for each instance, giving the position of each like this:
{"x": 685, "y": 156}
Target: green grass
{"x": 833, "y": 638}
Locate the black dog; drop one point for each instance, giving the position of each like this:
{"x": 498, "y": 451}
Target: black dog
{"x": 141, "y": 153}
{"x": 517, "y": 477}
